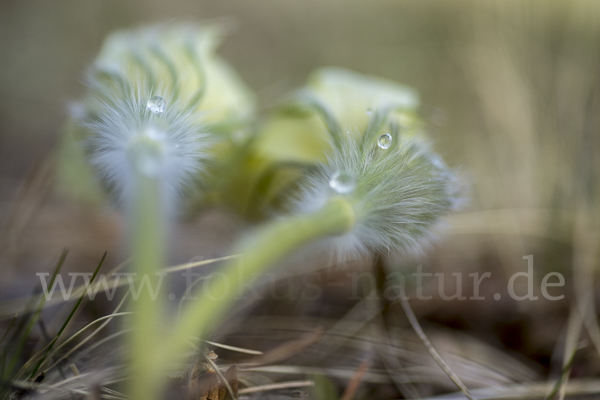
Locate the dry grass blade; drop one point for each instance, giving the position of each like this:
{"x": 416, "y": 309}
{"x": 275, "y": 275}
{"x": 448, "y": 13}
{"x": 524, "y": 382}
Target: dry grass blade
{"x": 355, "y": 381}
{"x": 222, "y": 377}
{"x": 10, "y": 307}
{"x": 570, "y": 348}
{"x": 392, "y": 364}
{"x": 586, "y": 241}
{"x": 533, "y": 391}
{"x": 276, "y": 386}
{"x": 107, "y": 319}
{"x": 376, "y": 377}
{"x": 288, "y": 349}
{"x": 477, "y": 363}
{"x": 235, "y": 348}
{"x": 183, "y": 267}
{"x": 434, "y": 354}
{"x": 348, "y": 327}
{"x": 21, "y": 303}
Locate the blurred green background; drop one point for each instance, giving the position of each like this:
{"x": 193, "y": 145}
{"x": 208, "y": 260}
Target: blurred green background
{"x": 509, "y": 87}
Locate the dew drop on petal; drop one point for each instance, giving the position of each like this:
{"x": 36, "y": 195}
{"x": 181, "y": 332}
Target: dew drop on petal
{"x": 156, "y": 104}
{"x": 385, "y": 141}
{"x": 342, "y": 182}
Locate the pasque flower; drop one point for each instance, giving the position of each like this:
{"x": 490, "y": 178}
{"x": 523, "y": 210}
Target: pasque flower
{"x": 364, "y": 142}
{"x": 298, "y": 130}
{"x": 376, "y": 188}
{"x": 129, "y": 136}
{"x": 399, "y": 188}
{"x": 158, "y": 97}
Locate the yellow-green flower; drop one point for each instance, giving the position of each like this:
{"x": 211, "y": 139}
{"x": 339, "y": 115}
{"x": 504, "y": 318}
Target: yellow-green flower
{"x": 178, "y": 59}
{"x": 299, "y": 130}
{"x": 335, "y": 105}
{"x": 163, "y": 78}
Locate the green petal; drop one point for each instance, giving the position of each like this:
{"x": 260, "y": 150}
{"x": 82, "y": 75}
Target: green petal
{"x": 297, "y": 132}
{"x": 179, "y": 58}
{"x": 349, "y": 96}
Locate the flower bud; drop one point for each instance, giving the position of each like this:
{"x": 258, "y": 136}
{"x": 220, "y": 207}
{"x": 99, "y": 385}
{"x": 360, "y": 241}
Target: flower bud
{"x": 397, "y": 185}
{"x": 337, "y": 101}
{"x": 154, "y": 96}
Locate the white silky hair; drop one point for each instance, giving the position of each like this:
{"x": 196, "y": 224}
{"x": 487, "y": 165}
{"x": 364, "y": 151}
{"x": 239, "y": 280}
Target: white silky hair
{"x": 401, "y": 195}
{"x": 124, "y": 133}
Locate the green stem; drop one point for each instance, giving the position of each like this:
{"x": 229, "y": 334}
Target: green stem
{"x": 147, "y": 241}
{"x": 260, "y": 251}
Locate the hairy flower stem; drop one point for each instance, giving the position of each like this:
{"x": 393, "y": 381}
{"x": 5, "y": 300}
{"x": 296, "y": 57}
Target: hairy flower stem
{"x": 147, "y": 241}
{"x": 260, "y": 252}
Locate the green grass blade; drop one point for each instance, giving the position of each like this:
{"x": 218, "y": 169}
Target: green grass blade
{"x": 64, "y": 325}
{"x": 12, "y": 322}
{"x": 23, "y": 335}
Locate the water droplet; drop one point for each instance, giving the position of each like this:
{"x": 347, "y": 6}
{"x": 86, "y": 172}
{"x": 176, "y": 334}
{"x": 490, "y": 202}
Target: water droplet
{"x": 369, "y": 111}
{"x": 342, "y": 182}
{"x": 385, "y": 141}
{"x": 156, "y": 104}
